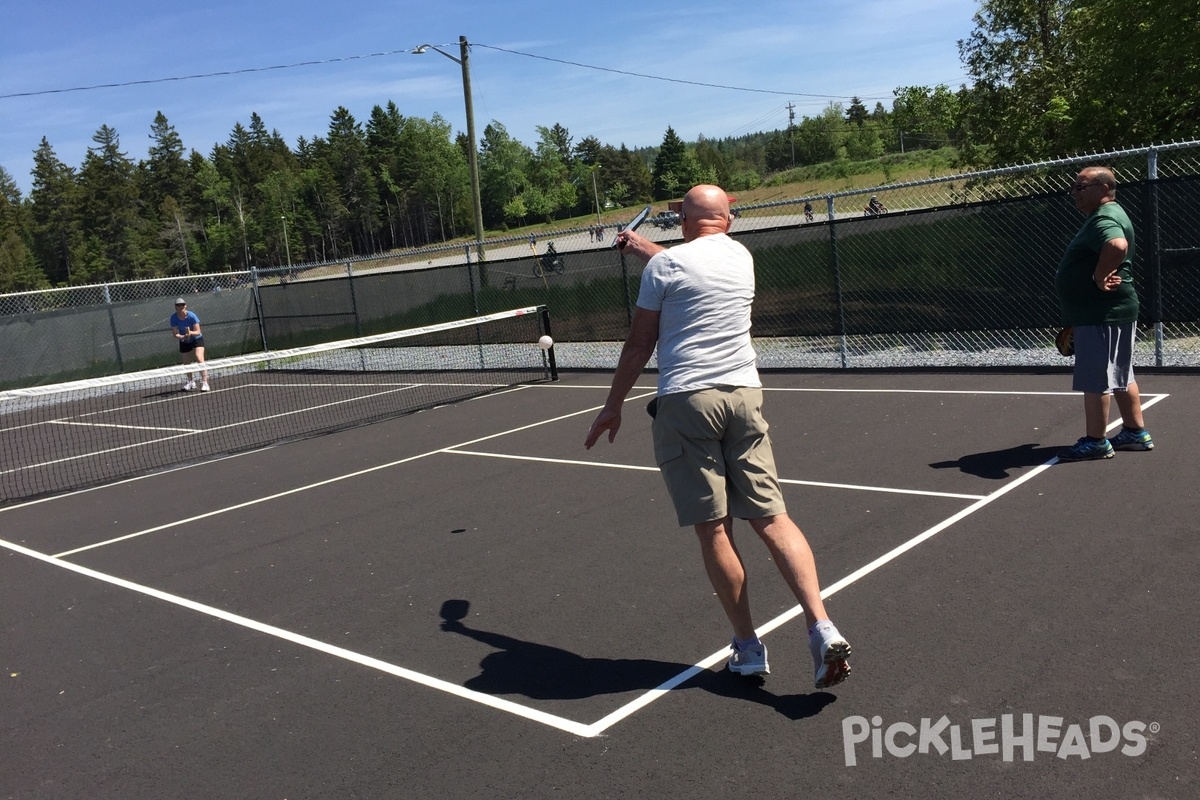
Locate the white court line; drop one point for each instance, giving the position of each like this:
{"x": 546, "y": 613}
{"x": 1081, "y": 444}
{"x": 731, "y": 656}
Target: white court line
{"x": 598, "y": 727}
{"x": 318, "y": 484}
{"x": 121, "y": 427}
{"x": 818, "y": 390}
{"x": 197, "y": 465}
{"x": 889, "y": 490}
{"x": 917, "y": 391}
{"x": 553, "y": 721}
{"x": 601, "y": 725}
{"x": 638, "y": 467}
{"x": 238, "y": 424}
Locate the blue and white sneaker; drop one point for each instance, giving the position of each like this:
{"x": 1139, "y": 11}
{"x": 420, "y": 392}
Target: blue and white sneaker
{"x": 1132, "y": 440}
{"x": 1087, "y": 450}
{"x": 751, "y": 661}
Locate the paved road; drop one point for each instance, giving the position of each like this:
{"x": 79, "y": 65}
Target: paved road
{"x": 564, "y": 242}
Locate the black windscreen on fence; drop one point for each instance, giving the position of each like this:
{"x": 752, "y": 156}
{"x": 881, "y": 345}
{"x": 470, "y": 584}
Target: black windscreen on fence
{"x": 979, "y": 267}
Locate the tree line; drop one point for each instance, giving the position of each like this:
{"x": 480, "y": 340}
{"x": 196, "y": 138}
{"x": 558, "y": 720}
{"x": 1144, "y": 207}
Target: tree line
{"x": 1047, "y": 78}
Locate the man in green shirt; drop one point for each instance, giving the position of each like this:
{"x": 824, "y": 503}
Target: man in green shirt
{"x": 1095, "y": 290}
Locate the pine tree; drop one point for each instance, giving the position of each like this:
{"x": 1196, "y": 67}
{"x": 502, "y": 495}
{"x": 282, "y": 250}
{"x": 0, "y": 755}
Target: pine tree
{"x": 346, "y": 155}
{"x": 54, "y": 210}
{"x": 164, "y": 179}
{"x": 17, "y": 269}
{"x": 669, "y": 168}
{"x": 109, "y": 218}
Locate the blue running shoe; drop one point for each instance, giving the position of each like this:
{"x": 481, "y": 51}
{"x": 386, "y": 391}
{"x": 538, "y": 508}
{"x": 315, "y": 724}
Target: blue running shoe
{"x": 1087, "y": 450}
{"x": 1131, "y": 440}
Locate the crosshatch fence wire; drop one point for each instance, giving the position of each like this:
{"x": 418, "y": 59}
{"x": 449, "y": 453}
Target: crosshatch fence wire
{"x": 958, "y": 272}
{"x": 85, "y": 433}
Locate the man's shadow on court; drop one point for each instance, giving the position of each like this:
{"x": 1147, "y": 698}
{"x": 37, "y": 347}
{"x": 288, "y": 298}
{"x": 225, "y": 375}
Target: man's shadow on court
{"x": 542, "y": 672}
{"x": 996, "y": 464}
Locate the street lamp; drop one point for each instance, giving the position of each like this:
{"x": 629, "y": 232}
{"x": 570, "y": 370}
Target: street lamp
{"x": 472, "y": 161}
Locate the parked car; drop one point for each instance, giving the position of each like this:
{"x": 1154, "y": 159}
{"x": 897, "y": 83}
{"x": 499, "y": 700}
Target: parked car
{"x": 665, "y": 220}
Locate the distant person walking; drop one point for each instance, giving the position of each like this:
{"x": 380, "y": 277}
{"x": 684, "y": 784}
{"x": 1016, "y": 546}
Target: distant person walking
{"x": 710, "y": 438}
{"x": 1095, "y": 289}
{"x": 186, "y": 327}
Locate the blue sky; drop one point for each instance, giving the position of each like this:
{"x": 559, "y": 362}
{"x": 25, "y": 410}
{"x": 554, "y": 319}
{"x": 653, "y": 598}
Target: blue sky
{"x": 801, "y": 51}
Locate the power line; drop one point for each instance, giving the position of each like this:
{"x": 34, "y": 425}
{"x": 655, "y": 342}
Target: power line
{"x": 658, "y": 77}
{"x": 247, "y": 70}
{"x": 201, "y": 75}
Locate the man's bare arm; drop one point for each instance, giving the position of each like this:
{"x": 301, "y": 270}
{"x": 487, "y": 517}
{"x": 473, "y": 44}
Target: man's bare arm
{"x": 639, "y": 346}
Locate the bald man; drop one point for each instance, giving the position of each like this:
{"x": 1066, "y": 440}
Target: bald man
{"x": 1094, "y": 282}
{"x": 710, "y": 438}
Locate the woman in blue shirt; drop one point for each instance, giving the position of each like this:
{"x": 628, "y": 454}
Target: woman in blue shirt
{"x": 186, "y": 327}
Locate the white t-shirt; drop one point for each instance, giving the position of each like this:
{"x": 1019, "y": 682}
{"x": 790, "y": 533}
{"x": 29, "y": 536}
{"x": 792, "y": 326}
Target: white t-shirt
{"x": 703, "y": 290}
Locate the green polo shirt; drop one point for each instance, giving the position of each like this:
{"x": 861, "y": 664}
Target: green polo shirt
{"x": 1082, "y": 302}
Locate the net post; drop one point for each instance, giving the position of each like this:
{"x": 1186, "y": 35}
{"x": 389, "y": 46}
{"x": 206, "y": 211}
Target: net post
{"x": 544, "y": 313}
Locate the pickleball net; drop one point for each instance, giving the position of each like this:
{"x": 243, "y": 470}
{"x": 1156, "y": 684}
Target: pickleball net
{"x": 88, "y": 433}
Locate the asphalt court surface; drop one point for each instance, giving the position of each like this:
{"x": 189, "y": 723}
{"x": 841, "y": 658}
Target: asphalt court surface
{"x": 466, "y": 601}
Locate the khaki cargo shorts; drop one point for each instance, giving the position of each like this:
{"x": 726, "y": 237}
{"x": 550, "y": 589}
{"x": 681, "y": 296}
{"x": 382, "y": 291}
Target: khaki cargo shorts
{"x": 715, "y": 456}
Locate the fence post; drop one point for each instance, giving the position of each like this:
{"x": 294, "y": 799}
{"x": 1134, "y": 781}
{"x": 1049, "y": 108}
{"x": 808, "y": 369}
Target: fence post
{"x": 835, "y": 265}
{"x": 258, "y": 309}
{"x": 1152, "y": 224}
{"x": 471, "y": 283}
{"x": 112, "y": 324}
{"x": 353, "y": 298}
{"x": 625, "y": 287}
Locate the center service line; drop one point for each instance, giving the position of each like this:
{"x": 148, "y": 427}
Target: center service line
{"x": 638, "y": 467}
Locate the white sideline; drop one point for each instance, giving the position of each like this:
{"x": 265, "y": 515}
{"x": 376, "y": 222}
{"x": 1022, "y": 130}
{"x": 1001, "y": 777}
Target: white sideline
{"x": 305, "y": 641}
{"x": 570, "y": 726}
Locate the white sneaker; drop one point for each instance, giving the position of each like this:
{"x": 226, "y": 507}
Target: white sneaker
{"x": 751, "y": 661}
{"x": 829, "y": 651}
{"x": 187, "y": 387}
{"x": 204, "y": 386}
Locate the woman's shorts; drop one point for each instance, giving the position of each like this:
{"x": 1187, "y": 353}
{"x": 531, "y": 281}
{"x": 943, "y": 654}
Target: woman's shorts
{"x": 715, "y": 456}
{"x": 188, "y": 345}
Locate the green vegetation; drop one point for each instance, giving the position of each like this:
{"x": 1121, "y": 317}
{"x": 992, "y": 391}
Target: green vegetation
{"x": 1048, "y": 78}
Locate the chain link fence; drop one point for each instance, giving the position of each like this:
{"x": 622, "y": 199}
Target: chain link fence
{"x": 952, "y": 271}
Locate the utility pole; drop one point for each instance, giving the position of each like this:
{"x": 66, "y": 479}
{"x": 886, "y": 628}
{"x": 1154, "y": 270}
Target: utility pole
{"x": 595, "y": 193}
{"x": 464, "y": 61}
{"x": 791, "y": 130}
{"x": 286, "y": 243}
